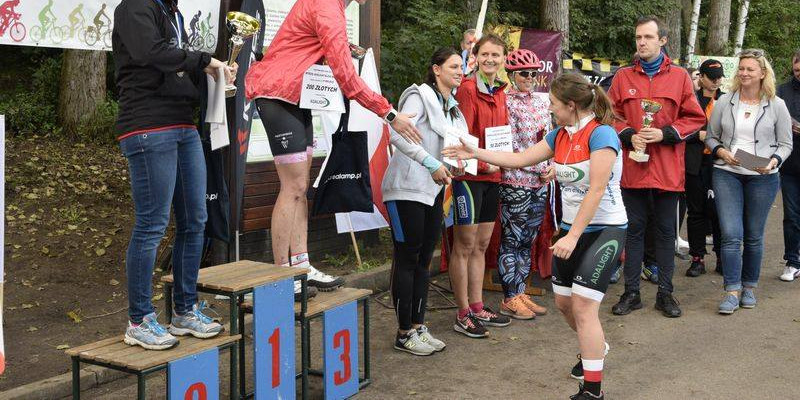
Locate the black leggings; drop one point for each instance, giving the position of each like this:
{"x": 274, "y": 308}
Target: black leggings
{"x": 416, "y": 228}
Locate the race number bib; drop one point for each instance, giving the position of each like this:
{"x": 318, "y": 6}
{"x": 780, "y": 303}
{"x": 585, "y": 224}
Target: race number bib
{"x": 320, "y": 90}
{"x": 499, "y": 138}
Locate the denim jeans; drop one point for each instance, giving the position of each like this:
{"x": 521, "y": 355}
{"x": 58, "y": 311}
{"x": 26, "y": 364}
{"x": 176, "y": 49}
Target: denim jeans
{"x": 790, "y": 188}
{"x": 166, "y": 167}
{"x": 743, "y": 203}
{"x": 664, "y": 204}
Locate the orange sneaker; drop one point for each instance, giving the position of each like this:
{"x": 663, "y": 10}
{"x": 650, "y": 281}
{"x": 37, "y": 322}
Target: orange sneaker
{"x": 516, "y": 309}
{"x": 537, "y": 309}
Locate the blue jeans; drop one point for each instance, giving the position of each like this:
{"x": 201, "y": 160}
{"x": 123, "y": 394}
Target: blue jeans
{"x": 790, "y": 187}
{"x": 166, "y": 167}
{"x": 743, "y": 203}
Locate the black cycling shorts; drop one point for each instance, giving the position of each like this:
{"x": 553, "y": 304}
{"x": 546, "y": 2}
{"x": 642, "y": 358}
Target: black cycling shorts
{"x": 289, "y": 130}
{"x": 475, "y": 202}
{"x": 589, "y": 268}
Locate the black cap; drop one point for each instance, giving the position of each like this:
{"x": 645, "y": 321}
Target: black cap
{"x": 712, "y": 69}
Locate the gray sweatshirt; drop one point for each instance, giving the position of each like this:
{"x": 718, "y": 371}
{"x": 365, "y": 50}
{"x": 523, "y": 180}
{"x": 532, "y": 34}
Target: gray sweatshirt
{"x": 772, "y": 134}
{"x": 406, "y": 177}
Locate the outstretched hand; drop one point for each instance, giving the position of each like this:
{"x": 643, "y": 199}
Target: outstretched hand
{"x": 462, "y": 152}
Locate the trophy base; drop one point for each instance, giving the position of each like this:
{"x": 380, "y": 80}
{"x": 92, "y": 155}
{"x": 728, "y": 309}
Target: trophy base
{"x": 230, "y": 91}
{"x": 639, "y": 157}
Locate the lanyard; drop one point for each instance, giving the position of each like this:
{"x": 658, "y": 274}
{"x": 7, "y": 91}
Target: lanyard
{"x": 177, "y": 28}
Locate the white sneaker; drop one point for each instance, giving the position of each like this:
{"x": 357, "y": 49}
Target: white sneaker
{"x": 681, "y": 246}
{"x": 323, "y": 281}
{"x": 789, "y": 273}
{"x": 413, "y": 344}
{"x": 426, "y": 337}
{"x": 709, "y": 240}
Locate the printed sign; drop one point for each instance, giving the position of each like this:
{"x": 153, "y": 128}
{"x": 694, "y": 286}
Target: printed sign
{"x": 195, "y": 377}
{"x": 499, "y": 138}
{"x": 88, "y": 24}
{"x": 452, "y": 138}
{"x": 340, "y": 348}
{"x": 320, "y": 90}
{"x": 273, "y": 329}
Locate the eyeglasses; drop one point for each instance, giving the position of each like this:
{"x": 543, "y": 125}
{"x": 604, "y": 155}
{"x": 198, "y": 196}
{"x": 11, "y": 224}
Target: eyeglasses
{"x": 757, "y": 53}
{"x": 527, "y": 74}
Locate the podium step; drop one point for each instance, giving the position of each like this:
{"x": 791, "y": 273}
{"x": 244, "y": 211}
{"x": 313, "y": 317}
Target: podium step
{"x": 240, "y": 276}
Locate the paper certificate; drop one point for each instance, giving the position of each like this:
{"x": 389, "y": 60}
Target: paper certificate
{"x": 499, "y": 138}
{"x": 452, "y": 139}
{"x": 320, "y": 90}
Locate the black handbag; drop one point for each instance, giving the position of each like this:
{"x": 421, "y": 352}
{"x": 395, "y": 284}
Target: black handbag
{"x": 344, "y": 185}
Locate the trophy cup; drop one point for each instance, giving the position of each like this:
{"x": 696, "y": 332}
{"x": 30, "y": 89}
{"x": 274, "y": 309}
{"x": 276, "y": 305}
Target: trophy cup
{"x": 240, "y": 27}
{"x": 649, "y": 107}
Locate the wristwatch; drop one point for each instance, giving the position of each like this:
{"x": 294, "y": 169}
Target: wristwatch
{"x": 391, "y": 116}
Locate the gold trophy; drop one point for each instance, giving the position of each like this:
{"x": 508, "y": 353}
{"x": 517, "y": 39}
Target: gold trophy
{"x": 240, "y": 27}
{"x": 650, "y": 108}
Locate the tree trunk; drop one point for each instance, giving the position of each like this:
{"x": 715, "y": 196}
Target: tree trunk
{"x": 742, "y": 26}
{"x": 692, "y": 40}
{"x": 82, "y": 88}
{"x": 719, "y": 22}
{"x": 673, "y": 21}
{"x": 555, "y": 17}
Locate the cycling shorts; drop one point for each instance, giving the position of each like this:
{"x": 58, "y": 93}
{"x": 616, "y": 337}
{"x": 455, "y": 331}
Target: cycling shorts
{"x": 475, "y": 202}
{"x": 289, "y": 130}
{"x": 588, "y": 270}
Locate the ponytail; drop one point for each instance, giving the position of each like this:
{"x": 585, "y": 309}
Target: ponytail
{"x": 587, "y": 96}
{"x": 603, "y": 108}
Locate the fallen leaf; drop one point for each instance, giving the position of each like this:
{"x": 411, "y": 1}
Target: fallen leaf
{"x": 72, "y": 227}
{"x": 633, "y": 342}
{"x": 32, "y": 329}
{"x": 113, "y": 282}
{"x": 75, "y": 317}
{"x": 411, "y": 393}
{"x": 107, "y": 242}
{"x": 62, "y": 347}
{"x": 45, "y": 250}
{"x": 158, "y": 297}
{"x": 100, "y": 251}
{"x": 26, "y": 306}
{"x": 513, "y": 338}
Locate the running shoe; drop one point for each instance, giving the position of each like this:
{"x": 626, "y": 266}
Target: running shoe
{"x": 729, "y": 304}
{"x": 490, "y": 318}
{"x": 790, "y": 273}
{"x": 696, "y": 268}
{"x": 537, "y": 309}
{"x": 195, "y": 323}
{"x": 516, "y": 308}
{"x": 617, "y": 274}
{"x": 650, "y": 273}
{"x": 748, "y": 299}
{"x": 470, "y": 326}
{"x": 149, "y": 334}
{"x": 411, "y": 343}
{"x": 584, "y": 395}
{"x": 628, "y": 302}
{"x": 426, "y": 337}
{"x": 323, "y": 281}
{"x": 311, "y": 291}
{"x": 681, "y": 246}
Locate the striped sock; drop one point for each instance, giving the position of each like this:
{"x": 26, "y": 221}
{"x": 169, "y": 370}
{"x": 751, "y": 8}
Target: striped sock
{"x": 300, "y": 260}
{"x": 592, "y": 376}
{"x": 476, "y": 307}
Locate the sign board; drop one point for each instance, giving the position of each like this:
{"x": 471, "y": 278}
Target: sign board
{"x": 340, "y": 348}
{"x": 273, "y": 330}
{"x": 194, "y": 377}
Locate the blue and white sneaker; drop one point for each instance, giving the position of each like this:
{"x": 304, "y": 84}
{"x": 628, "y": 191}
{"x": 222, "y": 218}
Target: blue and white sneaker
{"x": 195, "y": 323}
{"x": 729, "y": 304}
{"x": 748, "y": 299}
{"x": 650, "y": 273}
{"x": 149, "y": 334}
{"x": 617, "y": 274}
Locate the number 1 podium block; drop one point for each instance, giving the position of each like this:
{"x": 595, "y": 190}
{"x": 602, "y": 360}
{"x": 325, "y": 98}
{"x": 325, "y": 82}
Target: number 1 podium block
{"x": 273, "y": 332}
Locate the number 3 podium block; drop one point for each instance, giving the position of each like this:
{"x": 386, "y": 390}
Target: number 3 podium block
{"x": 273, "y": 330}
{"x": 340, "y": 349}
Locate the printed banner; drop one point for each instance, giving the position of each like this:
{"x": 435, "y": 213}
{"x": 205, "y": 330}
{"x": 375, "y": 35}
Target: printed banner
{"x": 545, "y": 44}
{"x": 597, "y": 70}
{"x": 88, "y": 24}
{"x": 729, "y": 64}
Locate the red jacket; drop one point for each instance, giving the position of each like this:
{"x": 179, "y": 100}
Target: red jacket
{"x": 481, "y": 110}
{"x": 680, "y": 116}
{"x": 314, "y": 30}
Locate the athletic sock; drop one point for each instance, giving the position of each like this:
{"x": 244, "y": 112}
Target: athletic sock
{"x": 462, "y": 313}
{"x": 476, "y": 307}
{"x": 300, "y": 260}
{"x": 592, "y": 376}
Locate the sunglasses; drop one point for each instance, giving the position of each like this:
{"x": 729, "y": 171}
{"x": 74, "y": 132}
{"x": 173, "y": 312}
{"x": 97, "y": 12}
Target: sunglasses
{"x": 752, "y": 53}
{"x": 527, "y": 74}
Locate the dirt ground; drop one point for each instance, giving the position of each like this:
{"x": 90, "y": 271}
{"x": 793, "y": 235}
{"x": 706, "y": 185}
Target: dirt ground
{"x": 751, "y": 354}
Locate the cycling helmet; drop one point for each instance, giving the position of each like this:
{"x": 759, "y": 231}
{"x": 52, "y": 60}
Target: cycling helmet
{"x": 522, "y": 59}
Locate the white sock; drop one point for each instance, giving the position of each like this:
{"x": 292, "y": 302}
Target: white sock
{"x": 300, "y": 260}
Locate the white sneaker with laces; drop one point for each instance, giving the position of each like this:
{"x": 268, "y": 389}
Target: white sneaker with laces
{"x": 426, "y": 337}
{"x": 790, "y": 273}
{"x": 413, "y": 344}
{"x": 323, "y": 281}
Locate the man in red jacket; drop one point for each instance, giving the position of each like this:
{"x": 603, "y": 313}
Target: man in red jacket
{"x": 661, "y": 178}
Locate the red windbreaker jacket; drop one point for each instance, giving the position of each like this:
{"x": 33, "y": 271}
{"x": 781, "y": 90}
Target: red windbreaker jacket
{"x": 680, "y": 116}
{"x": 314, "y": 30}
{"x": 481, "y": 110}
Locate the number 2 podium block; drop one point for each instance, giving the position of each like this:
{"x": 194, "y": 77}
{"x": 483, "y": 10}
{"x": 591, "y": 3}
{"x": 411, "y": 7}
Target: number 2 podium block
{"x": 340, "y": 347}
{"x": 273, "y": 329}
{"x": 195, "y": 377}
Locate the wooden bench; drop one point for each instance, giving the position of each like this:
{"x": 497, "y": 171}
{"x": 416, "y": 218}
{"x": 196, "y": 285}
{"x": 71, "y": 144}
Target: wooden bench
{"x": 322, "y": 302}
{"x": 113, "y": 353}
{"x": 234, "y": 280}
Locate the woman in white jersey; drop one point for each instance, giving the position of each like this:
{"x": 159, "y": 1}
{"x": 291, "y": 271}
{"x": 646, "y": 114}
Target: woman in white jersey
{"x": 586, "y": 153}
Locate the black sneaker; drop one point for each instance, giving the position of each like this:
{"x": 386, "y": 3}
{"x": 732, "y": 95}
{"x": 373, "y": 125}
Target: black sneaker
{"x": 491, "y": 318}
{"x": 697, "y": 268}
{"x": 470, "y": 326}
{"x": 298, "y": 295}
{"x": 577, "y": 370}
{"x": 667, "y": 305}
{"x": 584, "y": 395}
{"x": 628, "y": 302}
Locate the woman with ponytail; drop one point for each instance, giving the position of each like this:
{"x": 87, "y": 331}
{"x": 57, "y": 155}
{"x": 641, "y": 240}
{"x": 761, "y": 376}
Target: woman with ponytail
{"x": 586, "y": 153}
{"x": 412, "y": 190}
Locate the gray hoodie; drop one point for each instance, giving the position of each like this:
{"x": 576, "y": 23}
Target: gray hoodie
{"x": 406, "y": 177}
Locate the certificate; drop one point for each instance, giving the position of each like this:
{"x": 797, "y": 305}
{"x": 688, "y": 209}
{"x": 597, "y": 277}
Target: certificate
{"x": 451, "y": 138}
{"x": 499, "y": 138}
{"x": 320, "y": 91}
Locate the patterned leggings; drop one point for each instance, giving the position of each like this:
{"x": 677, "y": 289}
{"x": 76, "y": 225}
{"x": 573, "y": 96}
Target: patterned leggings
{"x": 521, "y": 213}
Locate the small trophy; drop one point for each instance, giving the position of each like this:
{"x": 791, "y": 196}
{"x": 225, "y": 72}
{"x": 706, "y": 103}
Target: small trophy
{"x": 240, "y": 27}
{"x": 649, "y": 107}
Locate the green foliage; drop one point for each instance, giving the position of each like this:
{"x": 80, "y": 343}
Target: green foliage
{"x": 31, "y": 106}
{"x": 775, "y": 27}
{"x": 100, "y": 126}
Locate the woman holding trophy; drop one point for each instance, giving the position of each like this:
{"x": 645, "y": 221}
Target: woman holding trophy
{"x": 588, "y": 160}
{"x": 314, "y": 31}
{"x": 157, "y": 78}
